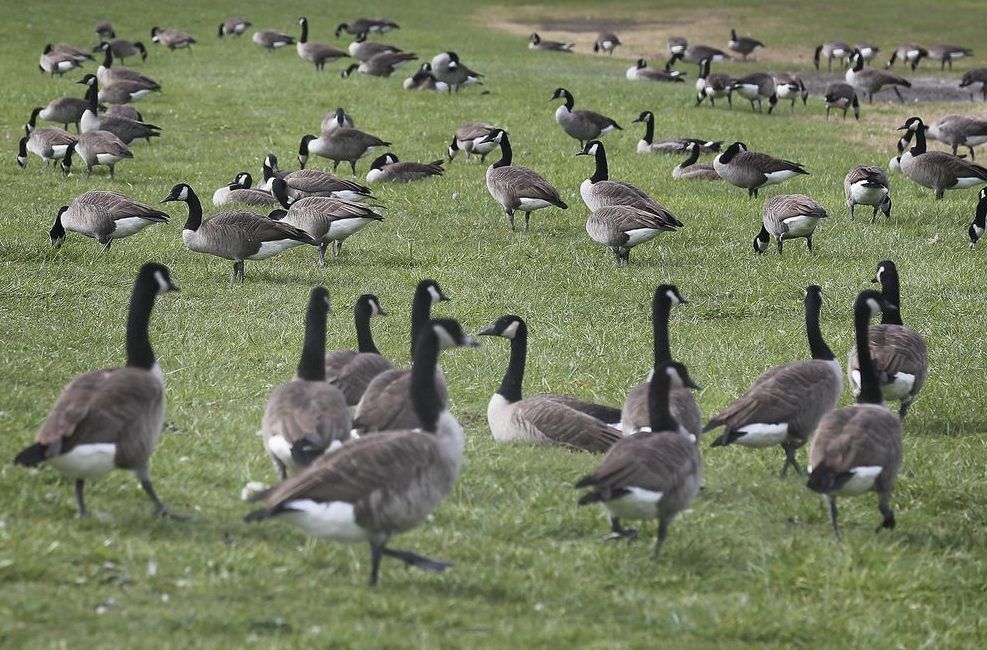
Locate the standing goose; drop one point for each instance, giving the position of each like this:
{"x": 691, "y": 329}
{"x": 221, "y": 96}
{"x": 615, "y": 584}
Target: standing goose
{"x": 64, "y": 111}
{"x": 470, "y": 138}
{"x": 755, "y": 87}
{"x": 517, "y": 188}
{"x": 788, "y": 216}
{"x": 235, "y": 235}
{"x": 351, "y": 371}
{"x": 580, "y": 124}
{"x": 363, "y": 50}
{"x": 622, "y": 227}
{"x": 306, "y": 415}
{"x": 959, "y": 131}
{"x": 838, "y": 50}
{"x": 128, "y": 130}
{"x": 791, "y": 87}
{"x": 111, "y": 418}
{"x": 537, "y": 43}
{"x": 336, "y": 119}
{"x": 689, "y": 169}
{"x": 841, "y": 95}
{"x": 713, "y": 86}
{"x": 898, "y": 353}
{"x": 173, "y": 39}
{"x": 858, "y": 448}
{"x": 48, "y": 143}
{"x": 937, "y": 170}
{"x": 315, "y": 53}
{"x": 233, "y": 26}
{"x": 946, "y": 54}
{"x": 304, "y": 183}
{"x": 867, "y": 185}
{"x": 449, "y": 70}
{"x": 118, "y": 92}
{"x": 752, "y": 169}
{"x": 872, "y": 80}
{"x": 388, "y": 169}
{"x": 682, "y": 402}
{"x": 376, "y": 487}
{"x": 97, "y": 148}
{"x": 977, "y": 75}
{"x": 784, "y": 405}
{"x": 272, "y": 39}
{"x": 104, "y": 216}
{"x": 543, "y": 419}
{"x": 654, "y": 473}
{"x": 641, "y": 72}
{"x": 699, "y": 53}
{"x": 606, "y": 42}
{"x": 979, "y": 223}
{"x": 239, "y": 192}
{"x": 910, "y": 54}
{"x": 123, "y": 49}
{"x": 743, "y": 45}
{"x": 107, "y": 74}
{"x": 648, "y": 144}
{"x": 59, "y": 63}
{"x": 339, "y": 145}
{"x": 380, "y": 65}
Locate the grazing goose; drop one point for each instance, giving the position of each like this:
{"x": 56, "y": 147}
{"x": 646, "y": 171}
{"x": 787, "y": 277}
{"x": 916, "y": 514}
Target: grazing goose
{"x": 537, "y": 43}
{"x": 791, "y": 87}
{"x": 755, "y": 87}
{"x": 841, "y": 95}
{"x": 337, "y": 119}
{"x": 97, "y": 148}
{"x": 239, "y": 192}
{"x": 118, "y": 92}
{"x": 867, "y": 185}
{"x": 682, "y": 402}
{"x": 898, "y": 352}
{"x": 64, "y": 111}
{"x": 373, "y": 488}
{"x": 699, "y": 53}
{"x": 648, "y": 144}
{"x": 979, "y": 223}
{"x": 104, "y": 29}
{"x": 654, "y": 473}
{"x": 937, "y": 170}
{"x": 753, "y": 169}
{"x": 713, "y": 86}
{"x": 872, "y": 80}
{"x": 363, "y": 50}
{"x": 388, "y": 169}
{"x": 423, "y": 79}
{"x": 111, "y": 418}
{"x": 622, "y": 227}
{"x": 76, "y": 53}
{"x": 784, "y": 405}
{"x": 449, "y": 70}
{"x": 910, "y": 54}
{"x": 386, "y": 404}
{"x": 788, "y": 216}
{"x": 272, "y": 39}
{"x": 867, "y": 50}
{"x": 858, "y": 448}
{"x": 234, "y": 235}
{"x": 104, "y": 216}
{"x": 543, "y": 419}
{"x": 48, "y": 143}
{"x": 123, "y": 49}
{"x": 641, "y": 72}
{"x": 606, "y": 42}
{"x": 677, "y": 44}
{"x": 339, "y": 145}
{"x": 958, "y": 131}
{"x": 107, "y": 74}
{"x": 315, "y": 53}
{"x": 977, "y": 75}
{"x": 689, "y": 169}
{"x": 743, "y": 45}
{"x": 838, "y": 50}
{"x": 946, "y": 54}
{"x": 233, "y": 26}
{"x": 470, "y": 138}
{"x": 128, "y": 130}
{"x": 173, "y": 39}
{"x": 580, "y": 124}
{"x": 58, "y": 63}
{"x": 517, "y": 188}
{"x": 364, "y": 25}
{"x": 380, "y": 65}
{"x": 303, "y": 183}
{"x": 351, "y": 371}
{"x": 306, "y": 415}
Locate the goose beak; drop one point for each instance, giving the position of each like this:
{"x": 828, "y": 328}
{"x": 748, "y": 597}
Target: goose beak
{"x": 903, "y": 127}
{"x": 173, "y": 287}
{"x": 488, "y": 331}
{"x": 693, "y": 385}
{"x": 471, "y": 342}
{"x": 583, "y": 153}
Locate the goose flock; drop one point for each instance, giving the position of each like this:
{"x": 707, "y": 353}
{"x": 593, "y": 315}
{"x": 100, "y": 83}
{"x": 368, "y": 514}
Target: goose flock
{"x": 364, "y": 450}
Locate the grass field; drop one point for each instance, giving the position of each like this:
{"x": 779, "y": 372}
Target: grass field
{"x": 753, "y": 563}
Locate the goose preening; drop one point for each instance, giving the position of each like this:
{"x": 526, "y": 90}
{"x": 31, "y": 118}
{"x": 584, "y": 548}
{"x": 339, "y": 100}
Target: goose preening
{"x": 606, "y": 42}
{"x": 909, "y": 53}
{"x": 128, "y": 130}
{"x": 315, "y": 53}
{"x": 272, "y": 39}
{"x": 58, "y": 63}
{"x": 641, "y": 72}
{"x": 123, "y": 49}
{"x": 104, "y": 29}
{"x": 937, "y": 170}
{"x": 470, "y": 137}
{"x": 339, "y": 145}
{"x": 975, "y": 76}
{"x": 791, "y": 87}
{"x": 690, "y": 169}
{"x": 234, "y": 235}
{"x": 699, "y": 53}
{"x": 752, "y": 169}
{"x": 903, "y": 144}
{"x": 239, "y": 192}
{"x": 364, "y": 25}
{"x": 654, "y": 473}
{"x": 64, "y": 111}
{"x": 388, "y": 169}
{"x": 173, "y": 39}
{"x": 423, "y": 79}
{"x": 788, "y": 216}
{"x": 304, "y": 183}
{"x": 580, "y": 124}
{"x": 517, "y": 188}
{"x": 842, "y": 95}
{"x": 306, "y": 415}
{"x": 543, "y": 419}
{"x": 979, "y": 223}
{"x": 958, "y": 131}
{"x": 363, "y": 50}
{"x": 682, "y": 403}
{"x": 233, "y": 26}
{"x": 838, "y": 50}
{"x": 449, "y": 70}
{"x": 351, "y": 371}
{"x": 104, "y": 216}
{"x": 713, "y": 85}
{"x": 380, "y": 65}
{"x": 337, "y": 119}
{"x": 858, "y": 448}
{"x": 867, "y": 185}
{"x": 107, "y": 74}
{"x": 538, "y": 43}
{"x": 872, "y": 80}
{"x": 743, "y": 45}
{"x": 111, "y": 418}
{"x": 648, "y": 144}
{"x": 378, "y": 486}
{"x": 945, "y": 54}
{"x": 784, "y": 405}
{"x": 898, "y": 353}
{"x": 756, "y": 87}
{"x": 622, "y": 227}
{"x": 48, "y": 143}
{"x": 97, "y": 148}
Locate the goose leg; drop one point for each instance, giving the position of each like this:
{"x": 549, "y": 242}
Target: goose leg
{"x": 619, "y": 532}
{"x": 730, "y": 100}
{"x": 113, "y": 175}
{"x": 159, "y": 506}
{"x": 415, "y": 560}
{"x": 752, "y": 192}
{"x": 955, "y": 147}
{"x": 808, "y": 242}
{"x": 353, "y": 166}
{"x": 510, "y": 217}
{"x": 901, "y": 100}
{"x": 233, "y": 274}
{"x": 827, "y": 114}
{"x": 903, "y": 409}
{"x": 790, "y": 461}
{"x": 832, "y": 516}
{"x": 972, "y": 155}
{"x": 376, "y": 553}
{"x": 335, "y": 165}
{"x": 885, "y": 508}
{"x": 80, "y": 486}
{"x": 322, "y": 254}
{"x": 527, "y": 219}
{"x": 780, "y": 245}
{"x": 662, "y": 533}
{"x": 852, "y": 206}
{"x": 616, "y": 255}
{"x": 106, "y": 246}
{"x": 939, "y": 193}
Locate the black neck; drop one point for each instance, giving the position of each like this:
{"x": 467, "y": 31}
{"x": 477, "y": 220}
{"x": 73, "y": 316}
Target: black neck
{"x": 425, "y": 398}
{"x": 858, "y": 64}
{"x": 139, "y": 351}
{"x": 569, "y": 101}
{"x": 304, "y": 37}
{"x": 691, "y": 160}
{"x": 279, "y": 189}
{"x": 659, "y": 415}
{"x": 817, "y": 345}
{"x": 602, "y": 173}
{"x": 919, "y": 147}
{"x": 510, "y": 387}
{"x": 92, "y": 96}
{"x": 506, "y": 155}
{"x": 22, "y": 147}
{"x": 661, "y": 308}
{"x": 891, "y": 290}
{"x": 649, "y": 130}
{"x": 108, "y": 58}
{"x": 194, "y": 211}
{"x": 364, "y": 338}
{"x": 981, "y": 218}
{"x": 421, "y": 311}
{"x": 312, "y": 365}
{"x": 870, "y": 390}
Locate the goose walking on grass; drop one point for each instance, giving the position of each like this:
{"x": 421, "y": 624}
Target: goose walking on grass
{"x": 756, "y": 87}
{"x": 622, "y": 227}
{"x": 839, "y": 50}
{"x": 233, "y": 26}
{"x": 111, "y": 418}
{"x": 173, "y": 39}
{"x": 867, "y": 185}
{"x": 959, "y": 131}
{"x": 271, "y": 39}
{"x": 945, "y": 54}
{"x": 380, "y": 65}
{"x": 606, "y": 42}
{"x": 366, "y": 25}
{"x": 788, "y": 216}
{"x": 97, "y": 148}
{"x": 791, "y": 87}
{"x": 871, "y": 80}
{"x": 48, "y": 143}
{"x": 648, "y": 144}
{"x": 64, "y": 111}
{"x": 841, "y": 95}
{"x": 351, "y": 371}
{"x": 107, "y": 74}
{"x": 691, "y": 169}
{"x": 858, "y": 448}
{"x": 743, "y": 45}
{"x": 59, "y": 63}
{"x": 979, "y": 223}
{"x": 104, "y": 216}
{"x": 124, "y": 49}
{"x": 753, "y": 170}
{"x": 975, "y": 76}
{"x": 379, "y": 486}
{"x": 315, "y": 53}
{"x": 909, "y": 53}
{"x": 699, "y": 53}
{"x": 339, "y": 145}
{"x": 128, "y": 130}
{"x": 937, "y": 170}
{"x": 580, "y": 124}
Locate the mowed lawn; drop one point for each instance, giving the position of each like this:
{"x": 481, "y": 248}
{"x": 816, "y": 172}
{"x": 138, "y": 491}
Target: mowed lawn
{"x": 752, "y": 563}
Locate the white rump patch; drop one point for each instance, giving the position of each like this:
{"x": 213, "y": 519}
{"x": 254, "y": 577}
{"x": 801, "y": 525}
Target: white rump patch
{"x": 272, "y": 248}
{"x": 128, "y": 226}
{"x": 640, "y": 235}
{"x": 106, "y": 158}
{"x": 280, "y": 448}
{"x": 528, "y": 204}
{"x": 780, "y": 176}
{"x": 251, "y": 489}
{"x": 800, "y": 226}
{"x": 762, "y": 435}
{"x": 968, "y": 181}
{"x": 350, "y": 195}
{"x": 335, "y": 520}
{"x": 86, "y": 461}
{"x": 900, "y": 386}
{"x": 638, "y": 503}
{"x": 862, "y": 480}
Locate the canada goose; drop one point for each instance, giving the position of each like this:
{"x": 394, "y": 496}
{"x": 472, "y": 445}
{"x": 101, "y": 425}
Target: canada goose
{"x": 234, "y": 26}
{"x": 126, "y": 129}
{"x": 173, "y": 39}
{"x": 517, "y": 188}
{"x": 111, "y": 418}
{"x": 784, "y": 405}
{"x": 48, "y": 143}
{"x": 363, "y": 25}
{"x": 903, "y": 144}
{"x": 867, "y": 50}
{"x": 937, "y": 170}
{"x": 898, "y": 353}
{"x": 699, "y": 53}
{"x": 104, "y": 216}
{"x": 979, "y": 223}
{"x": 336, "y": 119}
{"x": 788, "y": 216}
{"x": 872, "y": 80}
{"x": 648, "y": 144}
{"x": 543, "y": 419}
{"x": 622, "y": 227}
{"x": 97, "y": 148}
{"x": 841, "y": 95}
{"x": 655, "y": 473}
{"x": 858, "y": 448}
{"x": 689, "y": 169}
{"x": 107, "y": 74}
{"x": 64, "y": 111}
{"x": 580, "y": 124}
{"x": 363, "y": 50}
{"x": 910, "y": 54}
{"x": 448, "y": 69}
{"x": 677, "y": 44}
{"x": 272, "y": 39}
{"x": 386, "y": 404}
{"x": 118, "y": 92}
{"x": 752, "y": 169}
{"x": 606, "y": 42}
{"x": 537, "y": 43}
{"x": 791, "y": 87}
{"x": 339, "y": 145}
{"x": 682, "y": 403}
{"x": 423, "y": 79}
{"x": 838, "y": 50}
{"x": 380, "y": 65}
{"x": 76, "y": 53}
{"x": 743, "y": 45}
{"x": 234, "y": 235}
{"x": 239, "y": 192}
{"x": 104, "y": 29}
{"x": 713, "y": 85}
{"x": 867, "y": 185}
{"x": 303, "y": 183}
{"x": 315, "y": 53}
{"x": 351, "y": 371}
{"x": 388, "y": 169}
{"x": 123, "y": 49}
{"x": 977, "y": 75}
{"x": 946, "y": 54}
{"x": 641, "y": 72}
{"x": 958, "y": 131}
{"x": 755, "y": 87}
{"x": 328, "y": 221}
{"x": 58, "y": 63}
{"x": 469, "y": 137}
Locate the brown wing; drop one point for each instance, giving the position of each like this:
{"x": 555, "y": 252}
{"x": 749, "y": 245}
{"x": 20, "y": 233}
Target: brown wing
{"x": 855, "y": 436}
{"x": 529, "y": 184}
{"x": 653, "y": 461}
{"x": 767, "y": 164}
{"x": 307, "y": 409}
{"x": 566, "y": 426}
{"x": 773, "y": 398}
{"x": 899, "y": 348}
{"x": 355, "y": 374}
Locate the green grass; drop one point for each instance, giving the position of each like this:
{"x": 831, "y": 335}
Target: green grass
{"x": 753, "y": 563}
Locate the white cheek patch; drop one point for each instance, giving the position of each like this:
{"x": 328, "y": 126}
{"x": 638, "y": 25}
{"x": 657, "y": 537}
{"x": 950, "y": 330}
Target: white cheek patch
{"x": 162, "y": 283}
{"x": 183, "y": 195}
{"x": 436, "y": 296}
{"x": 511, "y": 330}
{"x": 874, "y": 307}
{"x": 445, "y": 339}
{"x": 672, "y": 297}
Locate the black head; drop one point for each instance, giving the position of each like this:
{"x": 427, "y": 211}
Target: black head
{"x": 154, "y": 33}
{"x": 242, "y": 180}
{"x": 432, "y": 288}
{"x": 340, "y": 29}
{"x": 348, "y": 71}
{"x": 302, "y": 20}
{"x": 640, "y": 64}
{"x": 180, "y": 192}
{"x": 67, "y": 160}
{"x": 384, "y": 160}
{"x": 761, "y": 241}
{"x": 494, "y": 135}
{"x": 450, "y": 334}
{"x": 88, "y": 80}
{"x": 813, "y": 294}
{"x": 670, "y": 293}
{"x": 303, "y": 149}
{"x": 270, "y": 160}
{"x": 983, "y": 194}
{"x": 912, "y": 124}
{"x": 279, "y": 188}
{"x": 57, "y": 232}
{"x": 561, "y": 93}
{"x": 591, "y": 148}
{"x": 154, "y": 274}
{"x": 506, "y": 327}
{"x": 886, "y": 272}
{"x": 678, "y": 375}
{"x": 645, "y": 116}
{"x": 361, "y": 37}
{"x": 371, "y": 303}
{"x": 22, "y": 153}
{"x": 535, "y": 38}
{"x": 732, "y": 151}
